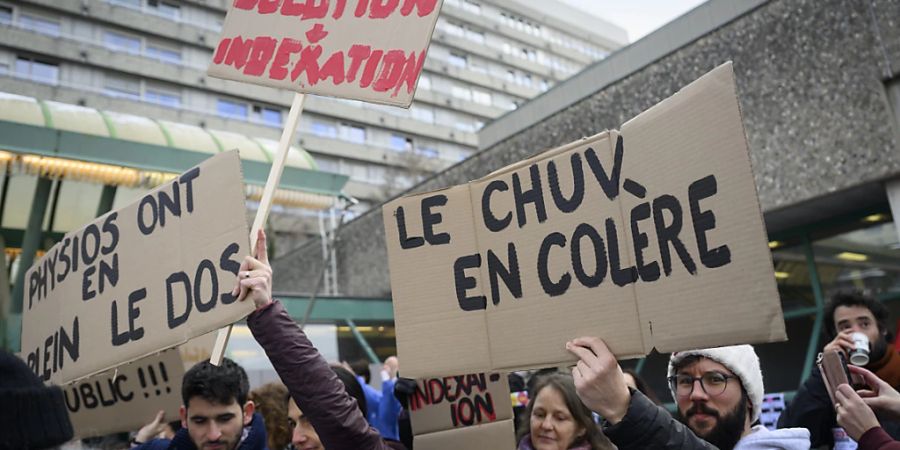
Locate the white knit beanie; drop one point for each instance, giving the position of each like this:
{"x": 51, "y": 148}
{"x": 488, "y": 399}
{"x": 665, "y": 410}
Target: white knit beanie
{"x": 740, "y": 360}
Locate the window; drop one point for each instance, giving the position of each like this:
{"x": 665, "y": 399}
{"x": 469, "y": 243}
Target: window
{"x": 268, "y": 116}
{"x": 165, "y": 9}
{"x": 165, "y": 54}
{"x": 327, "y": 164}
{"x": 464, "y": 126}
{"x": 423, "y": 114}
{"x": 461, "y": 92}
{"x": 454, "y": 29}
{"x": 37, "y": 70}
{"x": 458, "y": 60}
{"x": 4, "y": 67}
{"x": 163, "y": 97}
{"x": 122, "y": 87}
{"x": 6, "y": 14}
{"x": 324, "y": 129}
{"x": 481, "y": 97}
{"x": 353, "y": 133}
{"x": 476, "y": 36}
{"x": 401, "y": 143}
{"x": 477, "y": 66}
{"x": 129, "y": 3}
{"x": 230, "y": 109}
{"x": 118, "y": 41}
{"x": 428, "y": 152}
{"x": 39, "y": 24}
{"x": 424, "y": 82}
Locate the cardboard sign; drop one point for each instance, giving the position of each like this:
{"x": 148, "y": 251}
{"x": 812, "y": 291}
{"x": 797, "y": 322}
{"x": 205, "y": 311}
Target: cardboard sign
{"x": 370, "y": 51}
{"x": 128, "y": 398}
{"x": 140, "y": 279}
{"x": 469, "y": 408}
{"x": 648, "y": 237}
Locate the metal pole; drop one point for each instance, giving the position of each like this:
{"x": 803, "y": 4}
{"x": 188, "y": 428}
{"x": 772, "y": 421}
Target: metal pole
{"x": 320, "y": 276}
{"x": 362, "y": 341}
{"x": 106, "y": 199}
{"x": 30, "y": 244}
{"x": 820, "y": 305}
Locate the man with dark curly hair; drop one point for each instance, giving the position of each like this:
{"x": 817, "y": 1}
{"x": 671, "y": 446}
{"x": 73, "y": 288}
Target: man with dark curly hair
{"x": 845, "y": 314}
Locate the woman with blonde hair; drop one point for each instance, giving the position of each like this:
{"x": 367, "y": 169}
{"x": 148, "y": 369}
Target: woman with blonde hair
{"x": 556, "y": 419}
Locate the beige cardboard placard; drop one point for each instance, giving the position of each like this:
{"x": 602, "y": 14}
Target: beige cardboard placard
{"x": 370, "y": 51}
{"x": 139, "y": 279}
{"x": 127, "y": 398}
{"x": 635, "y": 236}
{"x": 471, "y": 408}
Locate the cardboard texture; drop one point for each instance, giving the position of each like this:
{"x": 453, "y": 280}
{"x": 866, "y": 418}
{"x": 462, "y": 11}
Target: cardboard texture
{"x": 370, "y": 51}
{"x": 128, "y": 398}
{"x": 648, "y": 237}
{"x": 140, "y": 279}
{"x": 472, "y": 408}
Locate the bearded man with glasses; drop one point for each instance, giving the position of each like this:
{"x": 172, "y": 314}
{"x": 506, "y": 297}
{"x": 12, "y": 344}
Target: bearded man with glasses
{"x": 718, "y": 393}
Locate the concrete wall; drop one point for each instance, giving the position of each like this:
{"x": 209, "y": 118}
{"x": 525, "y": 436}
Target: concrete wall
{"x": 811, "y": 76}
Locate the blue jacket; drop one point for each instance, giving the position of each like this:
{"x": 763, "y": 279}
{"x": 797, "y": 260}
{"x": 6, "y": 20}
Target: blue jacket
{"x": 373, "y": 399}
{"x": 389, "y": 412}
{"x": 256, "y": 439}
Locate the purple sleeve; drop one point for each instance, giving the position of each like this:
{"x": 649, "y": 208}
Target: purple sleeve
{"x": 877, "y": 439}
{"x": 311, "y": 382}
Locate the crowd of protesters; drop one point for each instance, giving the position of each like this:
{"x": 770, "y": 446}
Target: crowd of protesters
{"x": 594, "y": 405}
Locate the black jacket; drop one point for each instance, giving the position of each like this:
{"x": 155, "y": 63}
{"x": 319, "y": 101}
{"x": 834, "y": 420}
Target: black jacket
{"x": 647, "y": 425}
{"x": 812, "y": 409}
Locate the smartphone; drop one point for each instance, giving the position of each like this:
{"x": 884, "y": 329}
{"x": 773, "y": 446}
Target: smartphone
{"x": 833, "y": 365}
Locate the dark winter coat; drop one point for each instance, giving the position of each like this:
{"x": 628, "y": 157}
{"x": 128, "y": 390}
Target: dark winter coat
{"x": 312, "y": 384}
{"x": 647, "y": 425}
{"x": 255, "y": 440}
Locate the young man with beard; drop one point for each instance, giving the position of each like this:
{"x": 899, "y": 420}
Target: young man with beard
{"x": 845, "y": 314}
{"x": 718, "y": 392}
{"x": 216, "y": 414}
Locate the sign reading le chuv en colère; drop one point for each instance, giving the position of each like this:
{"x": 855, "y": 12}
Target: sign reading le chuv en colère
{"x": 635, "y": 236}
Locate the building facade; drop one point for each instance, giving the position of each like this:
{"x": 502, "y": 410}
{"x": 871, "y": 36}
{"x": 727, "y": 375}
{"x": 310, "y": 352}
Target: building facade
{"x": 819, "y": 89}
{"x": 93, "y": 60}
{"x": 149, "y": 57}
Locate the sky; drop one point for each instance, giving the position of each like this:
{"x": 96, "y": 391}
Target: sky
{"x": 638, "y": 17}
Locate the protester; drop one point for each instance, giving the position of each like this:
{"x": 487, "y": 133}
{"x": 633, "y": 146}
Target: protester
{"x": 32, "y": 415}
{"x": 373, "y": 396}
{"x": 215, "y": 412}
{"x": 711, "y": 406}
{"x": 856, "y": 411}
{"x": 389, "y": 407}
{"x": 557, "y": 420}
{"x": 845, "y": 314}
{"x": 270, "y": 401}
{"x": 320, "y": 397}
{"x": 634, "y": 381}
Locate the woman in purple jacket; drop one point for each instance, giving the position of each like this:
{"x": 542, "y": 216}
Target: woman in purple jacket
{"x": 321, "y": 398}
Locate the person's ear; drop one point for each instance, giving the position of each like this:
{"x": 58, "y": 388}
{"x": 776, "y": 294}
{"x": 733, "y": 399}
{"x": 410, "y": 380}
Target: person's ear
{"x": 182, "y": 412}
{"x": 249, "y": 409}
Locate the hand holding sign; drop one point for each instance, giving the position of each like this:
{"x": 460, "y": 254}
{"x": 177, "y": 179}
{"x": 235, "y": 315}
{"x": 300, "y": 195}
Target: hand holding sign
{"x": 598, "y": 378}
{"x": 152, "y": 429}
{"x": 255, "y": 276}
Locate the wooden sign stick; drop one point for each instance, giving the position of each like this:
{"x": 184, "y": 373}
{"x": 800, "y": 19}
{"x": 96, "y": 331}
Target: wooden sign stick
{"x": 265, "y": 204}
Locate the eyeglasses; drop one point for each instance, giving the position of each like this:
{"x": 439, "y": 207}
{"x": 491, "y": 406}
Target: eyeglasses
{"x": 712, "y": 383}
